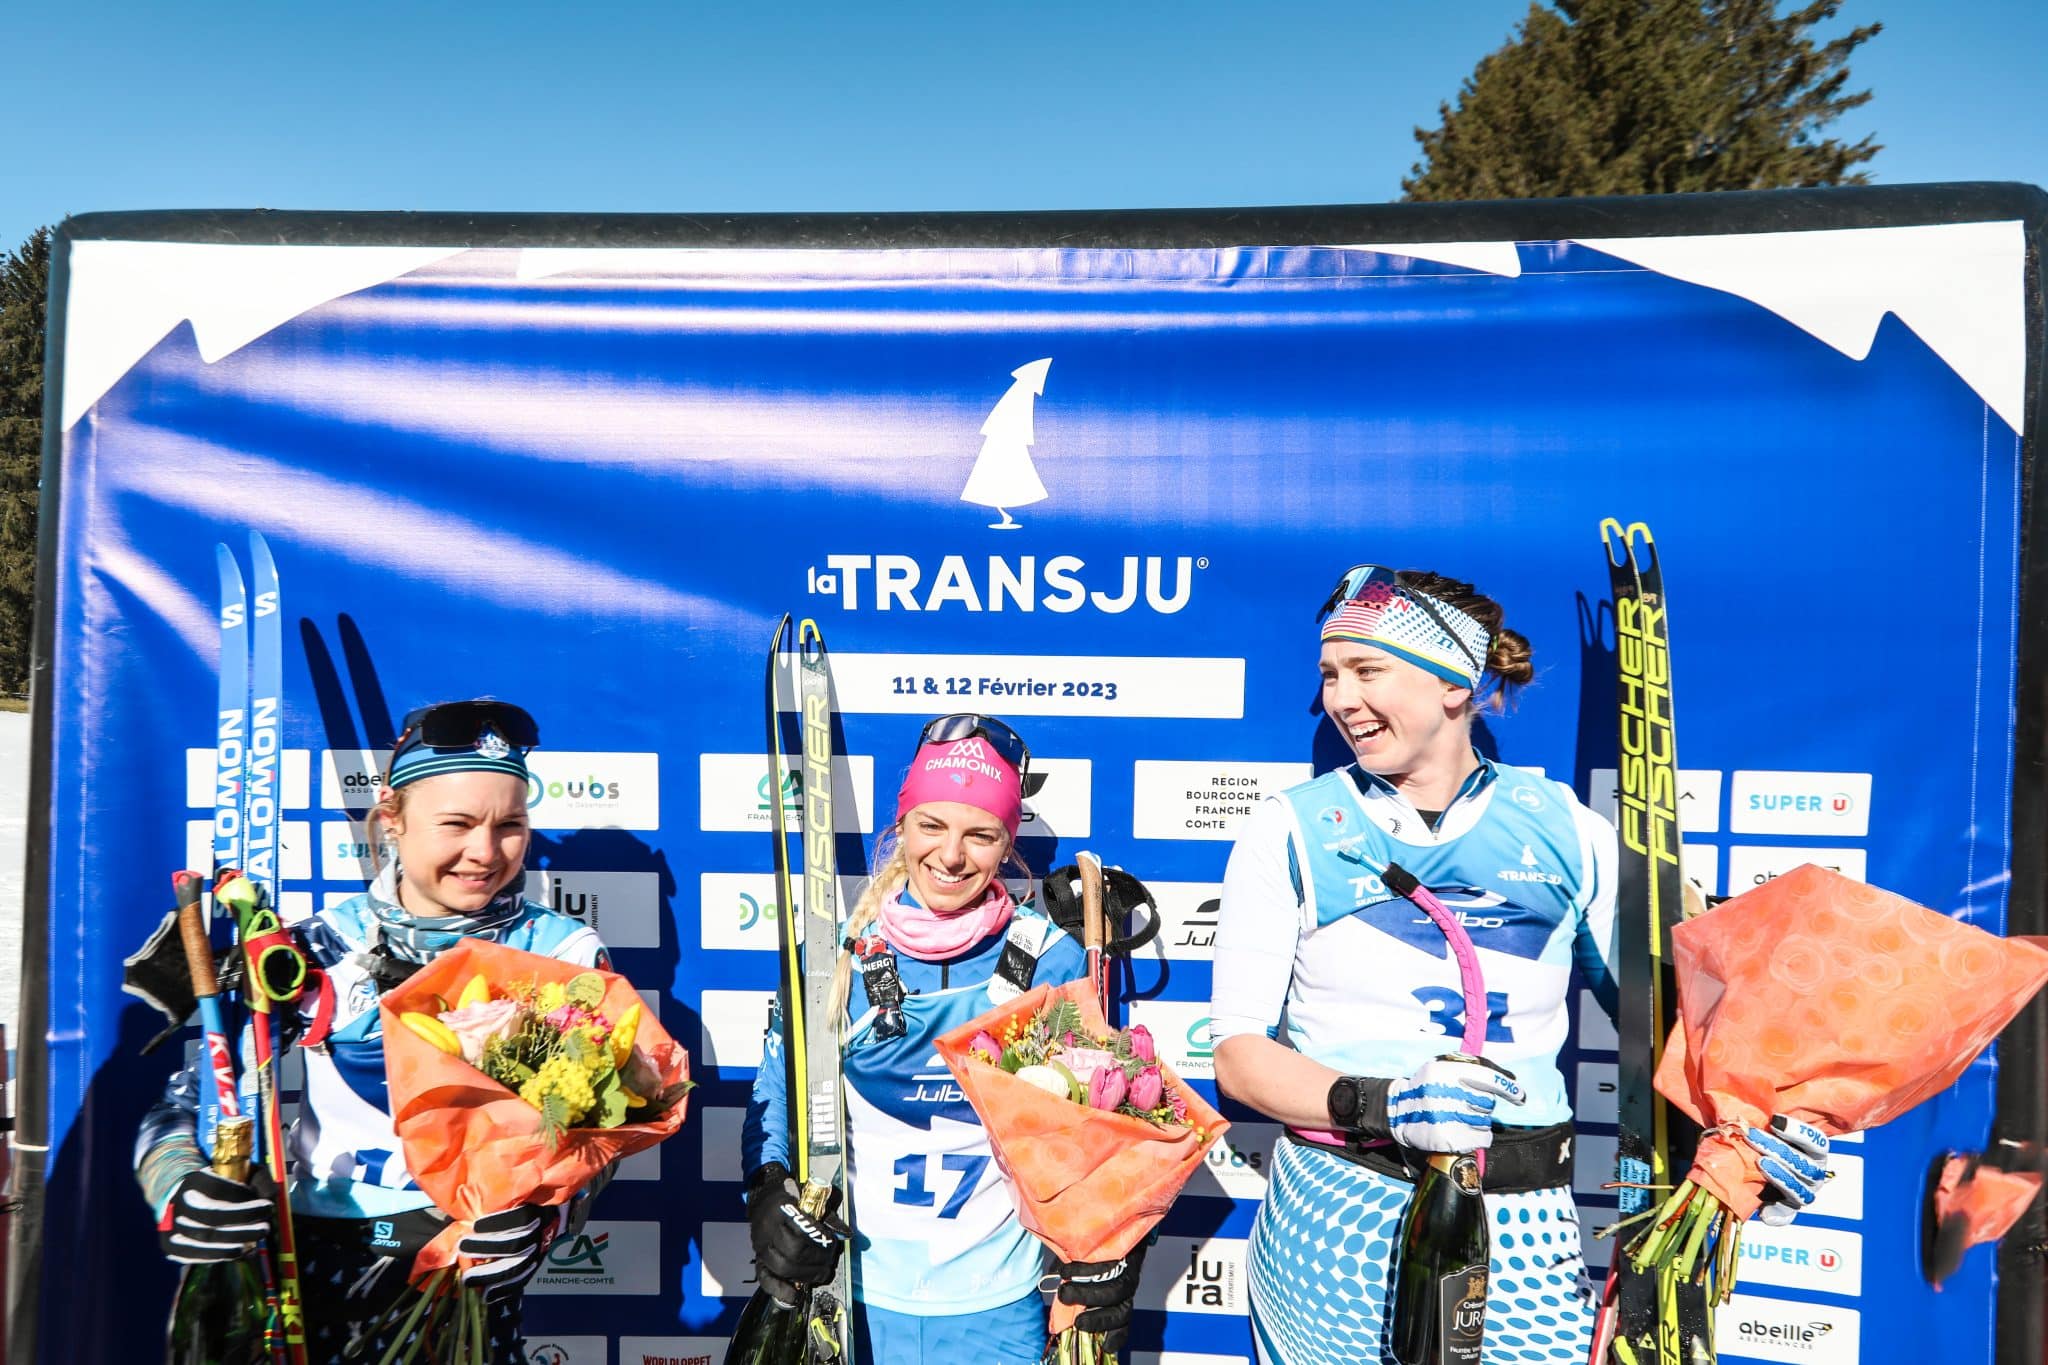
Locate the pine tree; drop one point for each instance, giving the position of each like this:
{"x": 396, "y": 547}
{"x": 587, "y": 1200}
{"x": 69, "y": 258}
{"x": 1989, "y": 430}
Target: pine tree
{"x": 1649, "y": 97}
{"x": 24, "y": 287}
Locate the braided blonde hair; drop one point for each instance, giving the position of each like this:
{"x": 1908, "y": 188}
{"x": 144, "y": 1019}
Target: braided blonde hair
{"x": 891, "y": 875}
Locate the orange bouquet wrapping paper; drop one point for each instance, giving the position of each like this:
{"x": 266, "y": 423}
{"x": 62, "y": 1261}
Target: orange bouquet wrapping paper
{"x": 1089, "y": 1183}
{"x": 1831, "y": 1001}
{"x": 471, "y": 1144}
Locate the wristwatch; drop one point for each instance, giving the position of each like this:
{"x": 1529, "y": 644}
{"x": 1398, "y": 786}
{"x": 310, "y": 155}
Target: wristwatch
{"x": 1347, "y": 1101}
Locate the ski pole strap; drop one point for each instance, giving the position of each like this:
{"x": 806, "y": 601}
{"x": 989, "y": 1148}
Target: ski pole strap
{"x": 278, "y": 967}
{"x": 1122, "y": 894}
{"x": 320, "y": 1018}
{"x": 1402, "y": 882}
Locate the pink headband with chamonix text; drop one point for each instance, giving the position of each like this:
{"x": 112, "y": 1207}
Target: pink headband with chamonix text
{"x": 967, "y": 770}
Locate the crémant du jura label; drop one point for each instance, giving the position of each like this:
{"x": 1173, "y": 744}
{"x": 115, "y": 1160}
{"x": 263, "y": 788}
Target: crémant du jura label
{"x": 1461, "y": 1298}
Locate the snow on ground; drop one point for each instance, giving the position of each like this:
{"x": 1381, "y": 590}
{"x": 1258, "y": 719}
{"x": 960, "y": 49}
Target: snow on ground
{"x": 13, "y": 825}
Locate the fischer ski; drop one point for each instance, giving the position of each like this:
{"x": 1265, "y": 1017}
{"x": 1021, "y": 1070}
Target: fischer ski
{"x": 1648, "y": 1317}
{"x": 809, "y": 953}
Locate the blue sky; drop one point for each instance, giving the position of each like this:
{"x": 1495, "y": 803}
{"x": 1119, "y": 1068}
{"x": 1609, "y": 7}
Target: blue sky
{"x": 737, "y": 107}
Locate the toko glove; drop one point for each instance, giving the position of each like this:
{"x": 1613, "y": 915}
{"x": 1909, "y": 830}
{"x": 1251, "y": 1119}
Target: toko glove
{"x": 1794, "y": 1159}
{"x": 212, "y": 1218}
{"x": 507, "y": 1247}
{"x": 1106, "y": 1291}
{"x": 1447, "y": 1104}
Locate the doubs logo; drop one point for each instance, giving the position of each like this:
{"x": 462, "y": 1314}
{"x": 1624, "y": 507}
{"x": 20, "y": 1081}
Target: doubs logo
{"x": 753, "y": 910}
{"x": 589, "y": 789}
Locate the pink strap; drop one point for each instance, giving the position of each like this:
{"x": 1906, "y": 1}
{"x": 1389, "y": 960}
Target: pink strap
{"x": 1403, "y": 882}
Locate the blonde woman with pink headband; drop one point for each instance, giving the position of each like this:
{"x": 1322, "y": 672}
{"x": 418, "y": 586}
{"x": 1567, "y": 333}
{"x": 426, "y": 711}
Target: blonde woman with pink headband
{"x": 942, "y": 1269}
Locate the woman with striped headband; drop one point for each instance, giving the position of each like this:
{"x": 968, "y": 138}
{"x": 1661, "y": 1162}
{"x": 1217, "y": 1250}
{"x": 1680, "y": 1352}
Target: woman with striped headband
{"x": 1371, "y": 994}
{"x": 455, "y": 836}
{"x": 943, "y": 1271}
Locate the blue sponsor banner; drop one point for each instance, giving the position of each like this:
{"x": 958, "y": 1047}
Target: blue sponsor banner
{"x": 1098, "y": 492}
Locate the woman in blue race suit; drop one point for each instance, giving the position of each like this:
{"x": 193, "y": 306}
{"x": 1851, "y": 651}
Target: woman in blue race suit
{"x": 1336, "y": 1002}
{"x": 456, "y": 834}
{"x": 942, "y": 1270}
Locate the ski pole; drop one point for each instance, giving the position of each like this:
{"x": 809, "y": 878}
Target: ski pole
{"x": 258, "y": 930}
{"x": 234, "y": 1132}
{"x": 1094, "y": 927}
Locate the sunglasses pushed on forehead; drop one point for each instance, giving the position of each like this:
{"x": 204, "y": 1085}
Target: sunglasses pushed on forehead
{"x": 1001, "y": 738}
{"x": 460, "y": 724}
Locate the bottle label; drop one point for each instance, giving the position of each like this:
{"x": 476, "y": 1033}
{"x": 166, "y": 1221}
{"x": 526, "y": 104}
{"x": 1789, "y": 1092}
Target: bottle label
{"x": 1461, "y": 1298}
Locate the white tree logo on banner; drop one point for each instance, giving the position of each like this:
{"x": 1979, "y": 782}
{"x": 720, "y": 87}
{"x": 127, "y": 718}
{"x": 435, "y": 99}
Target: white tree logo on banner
{"x": 1003, "y": 475}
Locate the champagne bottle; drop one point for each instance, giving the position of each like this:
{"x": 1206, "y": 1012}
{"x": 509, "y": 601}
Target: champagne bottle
{"x": 771, "y": 1332}
{"x": 1438, "y": 1309}
{"x": 218, "y": 1316}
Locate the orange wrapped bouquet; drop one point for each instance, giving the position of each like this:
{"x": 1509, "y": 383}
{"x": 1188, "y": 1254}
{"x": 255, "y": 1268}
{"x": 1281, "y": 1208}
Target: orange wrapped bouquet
{"x": 1090, "y": 1179}
{"x": 474, "y": 1144}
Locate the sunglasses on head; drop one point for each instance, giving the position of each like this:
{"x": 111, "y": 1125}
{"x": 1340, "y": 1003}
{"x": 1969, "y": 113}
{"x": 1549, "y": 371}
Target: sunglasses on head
{"x": 1358, "y": 576}
{"x": 1001, "y": 738}
{"x": 460, "y": 724}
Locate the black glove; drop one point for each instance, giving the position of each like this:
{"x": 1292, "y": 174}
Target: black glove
{"x": 793, "y": 1252}
{"x": 1105, "y": 1289}
{"x": 508, "y": 1246}
{"x": 213, "y": 1218}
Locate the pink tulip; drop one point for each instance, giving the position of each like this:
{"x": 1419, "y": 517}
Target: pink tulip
{"x": 1142, "y": 1046}
{"x": 1108, "y": 1088}
{"x": 986, "y": 1046}
{"x": 1148, "y": 1089}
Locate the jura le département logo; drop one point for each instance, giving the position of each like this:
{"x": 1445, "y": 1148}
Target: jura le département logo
{"x": 1003, "y": 475}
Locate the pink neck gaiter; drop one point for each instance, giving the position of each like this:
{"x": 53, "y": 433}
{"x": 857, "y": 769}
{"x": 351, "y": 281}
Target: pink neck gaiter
{"x": 934, "y": 936}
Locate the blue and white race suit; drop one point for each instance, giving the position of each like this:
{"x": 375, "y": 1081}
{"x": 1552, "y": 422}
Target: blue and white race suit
{"x": 360, "y": 1216}
{"x": 1313, "y": 950}
{"x": 936, "y": 1230}
{"x": 345, "y": 1161}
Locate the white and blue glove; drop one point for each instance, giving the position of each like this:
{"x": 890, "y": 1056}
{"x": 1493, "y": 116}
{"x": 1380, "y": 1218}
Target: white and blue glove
{"x": 1447, "y": 1104}
{"x": 1794, "y": 1160}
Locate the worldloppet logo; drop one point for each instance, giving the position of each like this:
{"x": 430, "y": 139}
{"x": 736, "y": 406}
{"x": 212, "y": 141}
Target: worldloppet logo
{"x": 546, "y": 1353}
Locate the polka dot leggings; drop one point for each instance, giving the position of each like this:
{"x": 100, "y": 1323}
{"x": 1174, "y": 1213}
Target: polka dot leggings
{"x": 1323, "y": 1245}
